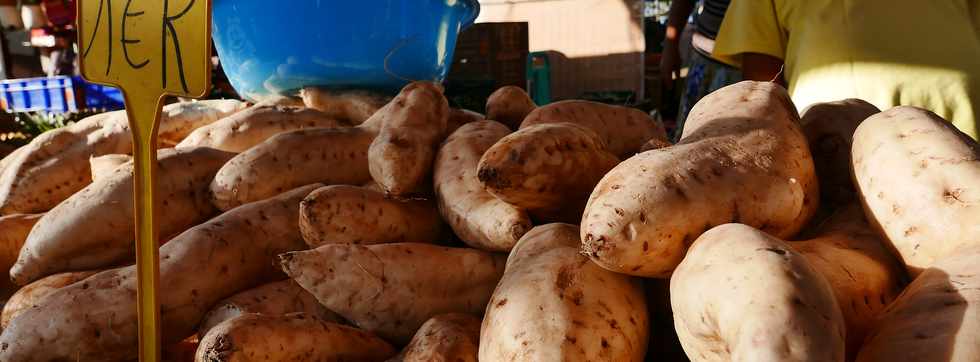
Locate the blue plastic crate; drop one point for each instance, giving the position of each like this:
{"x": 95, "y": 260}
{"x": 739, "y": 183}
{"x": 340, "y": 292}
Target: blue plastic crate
{"x": 57, "y": 94}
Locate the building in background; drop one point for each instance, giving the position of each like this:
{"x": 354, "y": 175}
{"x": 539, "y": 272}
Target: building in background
{"x": 592, "y": 45}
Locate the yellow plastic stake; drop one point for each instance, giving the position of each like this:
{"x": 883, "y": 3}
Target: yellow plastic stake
{"x": 150, "y": 49}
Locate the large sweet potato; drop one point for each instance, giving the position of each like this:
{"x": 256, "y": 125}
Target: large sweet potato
{"x": 547, "y": 169}
{"x": 412, "y": 126}
{"x": 392, "y": 289}
{"x": 478, "y": 218}
{"x": 55, "y": 164}
{"x": 743, "y": 158}
{"x": 829, "y": 129}
{"x": 103, "y": 166}
{"x": 82, "y": 233}
{"x": 295, "y": 337}
{"x": 623, "y": 129}
{"x": 292, "y": 159}
{"x": 343, "y": 214}
{"x": 31, "y": 295}
{"x": 741, "y": 295}
{"x": 553, "y": 304}
{"x": 509, "y": 105}
{"x": 937, "y": 318}
{"x": 352, "y": 106}
{"x": 453, "y": 337}
{"x": 273, "y": 299}
{"x": 258, "y": 123}
{"x": 918, "y": 179}
{"x": 13, "y": 233}
{"x": 863, "y": 273}
{"x": 95, "y": 320}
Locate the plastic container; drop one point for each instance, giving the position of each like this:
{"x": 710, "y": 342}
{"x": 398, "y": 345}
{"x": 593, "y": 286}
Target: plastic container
{"x": 57, "y": 94}
{"x": 276, "y": 48}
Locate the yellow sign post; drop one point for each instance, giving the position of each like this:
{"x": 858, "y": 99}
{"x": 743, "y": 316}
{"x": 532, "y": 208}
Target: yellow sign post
{"x": 150, "y": 49}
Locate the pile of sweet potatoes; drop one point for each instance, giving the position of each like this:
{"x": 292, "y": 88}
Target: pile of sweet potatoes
{"x": 352, "y": 226}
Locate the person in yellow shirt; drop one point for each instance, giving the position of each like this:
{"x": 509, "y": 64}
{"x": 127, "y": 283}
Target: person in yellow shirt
{"x": 887, "y": 52}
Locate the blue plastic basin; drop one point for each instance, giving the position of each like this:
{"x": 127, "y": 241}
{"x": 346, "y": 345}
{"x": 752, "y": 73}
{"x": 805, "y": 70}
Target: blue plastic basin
{"x": 278, "y": 47}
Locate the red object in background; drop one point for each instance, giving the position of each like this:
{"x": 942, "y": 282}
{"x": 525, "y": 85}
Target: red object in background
{"x": 60, "y": 12}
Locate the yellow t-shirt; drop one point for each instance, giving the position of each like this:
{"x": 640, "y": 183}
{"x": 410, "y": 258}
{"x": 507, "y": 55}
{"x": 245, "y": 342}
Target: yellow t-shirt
{"x": 887, "y": 52}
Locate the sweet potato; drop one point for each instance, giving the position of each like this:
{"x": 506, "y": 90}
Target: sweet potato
{"x": 82, "y": 233}
{"x": 478, "y": 218}
{"x": 460, "y": 117}
{"x": 96, "y": 319}
{"x": 343, "y": 214}
{"x": 554, "y": 305}
{"x": 743, "y": 159}
{"x": 864, "y": 274}
{"x": 937, "y": 318}
{"x": 547, "y": 169}
{"x": 295, "y": 337}
{"x": 55, "y": 164}
{"x": 178, "y": 120}
{"x": 293, "y": 159}
{"x": 352, "y": 106}
{"x": 917, "y": 177}
{"x": 31, "y": 295}
{"x": 453, "y": 337}
{"x": 509, "y": 105}
{"x": 392, "y": 289}
{"x": 412, "y": 126}
{"x": 273, "y": 299}
{"x": 829, "y": 129}
{"x": 743, "y": 295}
{"x": 103, "y": 166}
{"x": 623, "y": 129}
{"x": 256, "y": 124}
{"x": 13, "y": 233}
{"x": 655, "y": 144}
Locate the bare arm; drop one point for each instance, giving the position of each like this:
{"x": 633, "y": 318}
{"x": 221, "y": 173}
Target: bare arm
{"x": 670, "y": 63}
{"x": 763, "y": 68}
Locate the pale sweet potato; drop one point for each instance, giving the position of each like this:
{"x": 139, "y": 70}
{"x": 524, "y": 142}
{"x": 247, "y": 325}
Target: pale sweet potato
{"x": 743, "y": 159}
{"x": 453, "y": 337}
{"x": 655, "y": 144}
{"x": 460, "y": 117}
{"x": 256, "y": 124}
{"x": 343, "y": 214}
{"x": 295, "y": 337}
{"x": 273, "y": 299}
{"x": 352, "y": 106}
{"x": 13, "y": 233}
{"x": 292, "y": 159}
{"x": 95, "y": 320}
{"x": 623, "y": 129}
{"x": 82, "y": 233}
{"x": 478, "y": 218}
{"x": 178, "y": 120}
{"x": 392, "y": 289}
{"x": 553, "y": 304}
{"x": 103, "y": 166}
{"x": 862, "y": 271}
{"x": 829, "y": 129}
{"x": 547, "y": 169}
{"x": 937, "y": 318}
{"x": 412, "y": 126}
{"x": 31, "y": 295}
{"x": 917, "y": 177}
{"x": 509, "y": 105}
{"x": 743, "y": 295}
{"x": 55, "y": 164}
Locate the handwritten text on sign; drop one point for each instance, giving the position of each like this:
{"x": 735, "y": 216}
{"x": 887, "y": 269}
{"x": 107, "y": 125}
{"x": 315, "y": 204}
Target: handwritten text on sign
{"x": 146, "y": 46}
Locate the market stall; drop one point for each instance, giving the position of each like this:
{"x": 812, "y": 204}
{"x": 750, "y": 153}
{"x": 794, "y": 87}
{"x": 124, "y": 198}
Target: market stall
{"x": 349, "y": 207}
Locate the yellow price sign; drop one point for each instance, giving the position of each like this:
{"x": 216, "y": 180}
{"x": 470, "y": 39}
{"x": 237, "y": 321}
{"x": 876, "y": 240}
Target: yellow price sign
{"x": 150, "y": 49}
